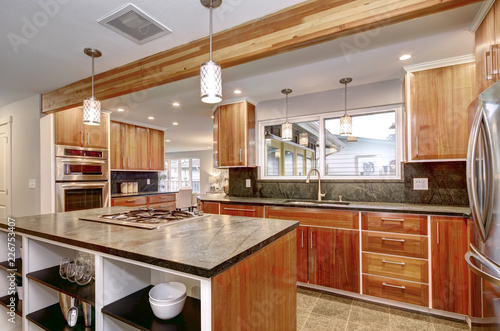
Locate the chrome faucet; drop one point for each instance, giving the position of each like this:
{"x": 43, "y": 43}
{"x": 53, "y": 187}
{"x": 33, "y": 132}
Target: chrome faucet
{"x": 320, "y": 195}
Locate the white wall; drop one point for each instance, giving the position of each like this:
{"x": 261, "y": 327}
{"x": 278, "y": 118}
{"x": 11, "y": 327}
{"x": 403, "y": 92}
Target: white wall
{"x": 25, "y": 154}
{"x": 206, "y": 165}
{"x": 362, "y": 96}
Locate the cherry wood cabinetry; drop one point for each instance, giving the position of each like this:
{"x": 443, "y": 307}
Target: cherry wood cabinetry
{"x": 136, "y": 148}
{"x": 165, "y": 201}
{"x": 234, "y": 135}
{"x": 396, "y": 289}
{"x": 330, "y": 241}
{"x": 437, "y": 101}
{"x": 130, "y": 201}
{"x": 449, "y": 244}
{"x": 241, "y": 210}
{"x": 209, "y": 207}
{"x": 70, "y": 130}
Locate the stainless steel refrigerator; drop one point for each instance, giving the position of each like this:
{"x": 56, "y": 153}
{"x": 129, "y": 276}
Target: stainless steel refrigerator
{"x": 483, "y": 184}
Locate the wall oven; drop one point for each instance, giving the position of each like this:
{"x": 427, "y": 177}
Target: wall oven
{"x": 82, "y": 178}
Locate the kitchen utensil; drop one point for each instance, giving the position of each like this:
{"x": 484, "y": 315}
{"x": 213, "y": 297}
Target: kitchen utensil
{"x": 84, "y": 271}
{"x": 123, "y": 187}
{"x": 63, "y": 266}
{"x": 136, "y": 187}
{"x": 71, "y": 270}
{"x": 69, "y": 308}
{"x": 87, "y": 313}
{"x": 130, "y": 187}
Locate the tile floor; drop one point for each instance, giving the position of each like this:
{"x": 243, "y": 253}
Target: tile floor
{"x": 318, "y": 311}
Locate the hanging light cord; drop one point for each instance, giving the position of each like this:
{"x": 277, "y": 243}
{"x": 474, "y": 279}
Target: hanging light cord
{"x": 345, "y": 98}
{"x": 211, "y": 8}
{"x": 93, "y": 75}
{"x": 286, "y": 111}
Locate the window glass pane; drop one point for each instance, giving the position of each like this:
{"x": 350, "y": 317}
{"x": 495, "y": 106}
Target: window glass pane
{"x": 174, "y": 175}
{"x": 185, "y": 173}
{"x": 370, "y": 152}
{"x": 282, "y": 157}
{"x": 195, "y": 170}
{"x": 308, "y": 164}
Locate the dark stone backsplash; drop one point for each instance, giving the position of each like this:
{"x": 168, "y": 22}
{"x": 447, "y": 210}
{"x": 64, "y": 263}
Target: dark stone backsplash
{"x": 117, "y": 177}
{"x": 447, "y": 186}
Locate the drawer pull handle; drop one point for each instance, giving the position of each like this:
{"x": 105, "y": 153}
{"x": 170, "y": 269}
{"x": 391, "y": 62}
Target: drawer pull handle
{"x": 163, "y": 198}
{"x": 130, "y": 200}
{"x": 402, "y": 287}
{"x": 391, "y": 239}
{"x": 302, "y": 239}
{"x": 392, "y": 262}
{"x": 393, "y": 220}
{"x": 236, "y": 209}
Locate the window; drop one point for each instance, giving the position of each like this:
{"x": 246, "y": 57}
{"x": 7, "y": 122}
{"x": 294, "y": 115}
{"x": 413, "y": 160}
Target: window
{"x": 374, "y": 151}
{"x": 180, "y": 173}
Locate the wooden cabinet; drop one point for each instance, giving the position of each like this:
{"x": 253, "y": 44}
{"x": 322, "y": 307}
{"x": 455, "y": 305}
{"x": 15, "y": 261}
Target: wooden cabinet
{"x": 136, "y": 148}
{"x": 449, "y": 270}
{"x": 70, "y": 130}
{"x": 327, "y": 245}
{"x": 234, "y": 135}
{"x": 437, "y": 101}
{"x": 241, "y": 210}
{"x": 210, "y": 207}
{"x": 130, "y": 201}
{"x": 487, "y": 40}
{"x": 163, "y": 201}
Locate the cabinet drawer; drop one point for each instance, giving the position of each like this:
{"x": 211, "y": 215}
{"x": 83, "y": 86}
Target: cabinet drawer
{"x": 396, "y": 267}
{"x": 165, "y": 205}
{"x": 399, "y": 290}
{"x": 161, "y": 198}
{"x": 210, "y": 207}
{"x": 399, "y": 223}
{"x": 130, "y": 201}
{"x": 316, "y": 216}
{"x": 395, "y": 244}
{"x": 241, "y": 210}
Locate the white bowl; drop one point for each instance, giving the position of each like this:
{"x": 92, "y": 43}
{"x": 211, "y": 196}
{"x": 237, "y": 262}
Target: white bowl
{"x": 168, "y": 292}
{"x": 170, "y": 302}
{"x": 167, "y": 310}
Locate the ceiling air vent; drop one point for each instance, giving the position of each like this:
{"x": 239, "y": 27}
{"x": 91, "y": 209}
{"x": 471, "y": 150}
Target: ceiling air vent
{"x": 134, "y": 24}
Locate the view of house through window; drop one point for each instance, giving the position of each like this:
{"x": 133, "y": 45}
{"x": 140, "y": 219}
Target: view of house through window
{"x": 180, "y": 173}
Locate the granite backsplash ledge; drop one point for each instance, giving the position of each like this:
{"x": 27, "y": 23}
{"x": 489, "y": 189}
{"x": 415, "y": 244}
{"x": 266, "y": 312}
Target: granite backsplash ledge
{"x": 447, "y": 186}
{"x": 117, "y": 177}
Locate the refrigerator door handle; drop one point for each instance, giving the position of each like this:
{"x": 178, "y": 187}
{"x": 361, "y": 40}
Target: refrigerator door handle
{"x": 473, "y": 253}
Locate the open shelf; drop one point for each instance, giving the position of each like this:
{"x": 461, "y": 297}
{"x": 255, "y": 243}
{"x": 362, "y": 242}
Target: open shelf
{"x": 52, "y": 319}
{"x": 135, "y": 310}
{"x": 18, "y": 265}
{"x": 50, "y": 277}
{"x": 5, "y": 300}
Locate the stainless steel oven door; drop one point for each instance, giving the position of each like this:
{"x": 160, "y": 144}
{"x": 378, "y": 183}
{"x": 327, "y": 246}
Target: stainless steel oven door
{"x": 81, "y": 195}
{"x": 75, "y": 168}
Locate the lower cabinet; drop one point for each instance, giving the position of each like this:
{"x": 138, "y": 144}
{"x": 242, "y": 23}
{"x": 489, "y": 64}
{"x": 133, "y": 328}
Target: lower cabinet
{"x": 241, "y": 210}
{"x": 210, "y": 207}
{"x": 165, "y": 201}
{"x": 449, "y": 243}
{"x": 302, "y": 257}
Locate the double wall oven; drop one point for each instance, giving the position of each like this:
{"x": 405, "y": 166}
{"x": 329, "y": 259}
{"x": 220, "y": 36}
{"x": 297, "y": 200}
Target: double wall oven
{"x": 82, "y": 178}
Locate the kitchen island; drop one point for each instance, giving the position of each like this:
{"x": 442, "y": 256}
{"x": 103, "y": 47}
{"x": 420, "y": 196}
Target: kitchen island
{"x": 240, "y": 271}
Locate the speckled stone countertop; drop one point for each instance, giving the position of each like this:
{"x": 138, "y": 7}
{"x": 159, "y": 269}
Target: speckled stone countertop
{"x": 407, "y": 208}
{"x": 139, "y": 194}
{"x": 204, "y": 247}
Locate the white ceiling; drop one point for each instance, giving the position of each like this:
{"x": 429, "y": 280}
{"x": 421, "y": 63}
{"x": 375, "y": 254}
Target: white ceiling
{"x": 52, "y": 56}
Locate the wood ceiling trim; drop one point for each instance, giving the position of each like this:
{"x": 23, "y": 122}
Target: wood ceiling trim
{"x": 299, "y": 26}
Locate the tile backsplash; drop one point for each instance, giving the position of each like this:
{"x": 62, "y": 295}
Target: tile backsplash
{"x": 117, "y": 177}
{"x": 447, "y": 186}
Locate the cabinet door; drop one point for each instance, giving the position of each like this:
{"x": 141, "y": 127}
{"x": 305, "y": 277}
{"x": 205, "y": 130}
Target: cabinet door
{"x": 302, "y": 254}
{"x": 69, "y": 127}
{"x": 334, "y": 258}
{"x": 241, "y": 210}
{"x": 210, "y": 207}
{"x": 156, "y": 150}
{"x": 117, "y": 136}
{"x": 136, "y": 148}
{"x": 216, "y": 138}
{"x": 232, "y": 128}
{"x": 484, "y": 38}
{"x": 96, "y": 136}
{"x": 449, "y": 269}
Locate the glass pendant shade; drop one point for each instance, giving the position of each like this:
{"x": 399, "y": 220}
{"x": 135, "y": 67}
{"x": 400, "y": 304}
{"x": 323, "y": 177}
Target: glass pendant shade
{"x": 345, "y": 125}
{"x": 286, "y": 131}
{"x": 303, "y": 139}
{"x": 211, "y": 82}
{"x": 91, "y": 111}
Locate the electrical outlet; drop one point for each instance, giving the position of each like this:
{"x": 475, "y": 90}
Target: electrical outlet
{"x": 32, "y": 183}
{"x": 248, "y": 183}
{"x": 148, "y": 181}
{"x": 420, "y": 184}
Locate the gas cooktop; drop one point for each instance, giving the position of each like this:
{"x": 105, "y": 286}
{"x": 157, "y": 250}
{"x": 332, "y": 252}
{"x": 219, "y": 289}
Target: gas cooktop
{"x": 146, "y": 218}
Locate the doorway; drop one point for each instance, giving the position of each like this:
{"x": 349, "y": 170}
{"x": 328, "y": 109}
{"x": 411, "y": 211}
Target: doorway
{"x": 5, "y": 167}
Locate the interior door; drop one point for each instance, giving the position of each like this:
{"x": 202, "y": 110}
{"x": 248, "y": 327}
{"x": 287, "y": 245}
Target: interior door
{"x": 5, "y": 167}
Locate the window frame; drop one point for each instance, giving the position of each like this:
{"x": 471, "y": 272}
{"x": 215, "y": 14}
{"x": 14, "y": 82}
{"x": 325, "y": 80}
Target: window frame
{"x": 179, "y": 172}
{"x": 400, "y": 141}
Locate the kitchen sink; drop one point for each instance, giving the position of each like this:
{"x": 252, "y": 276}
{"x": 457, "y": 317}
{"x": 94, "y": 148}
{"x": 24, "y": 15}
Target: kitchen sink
{"x": 316, "y": 202}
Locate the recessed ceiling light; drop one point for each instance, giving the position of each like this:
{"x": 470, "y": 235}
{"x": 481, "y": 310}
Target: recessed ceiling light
{"x": 176, "y": 104}
{"x": 405, "y": 57}
{"x": 212, "y": 116}
{"x": 237, "y": 91}
{"x": 151, "y": 118}
{"x": 120, "y": 109}
{"x": 209, "y": 147}
{"x": 167, "y": 140}
{"x": 175, "y": 123}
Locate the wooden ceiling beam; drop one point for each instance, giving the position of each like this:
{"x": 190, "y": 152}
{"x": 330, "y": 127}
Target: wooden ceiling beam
{"x": 299, "y": 26}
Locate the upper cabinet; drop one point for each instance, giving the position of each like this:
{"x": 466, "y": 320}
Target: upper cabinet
{"x": 136, "y": 147}
{"x": 487, "y": 52}
{"x": 70, "y": 130}
{"x": 437, "y": 102}
{"x": 234, "y": 135}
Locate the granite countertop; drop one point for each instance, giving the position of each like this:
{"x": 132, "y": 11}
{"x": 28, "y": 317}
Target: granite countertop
{"x": 139, "y": 194}
{"x": 204, "y": 247}
{"x": 408, "y": 208}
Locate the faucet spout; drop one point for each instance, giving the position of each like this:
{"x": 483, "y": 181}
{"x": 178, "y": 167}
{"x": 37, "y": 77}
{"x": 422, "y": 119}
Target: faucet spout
{"x": 320, "y": 195}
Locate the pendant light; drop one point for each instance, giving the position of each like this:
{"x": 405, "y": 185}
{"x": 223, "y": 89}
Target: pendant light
{"x": 303, "y": 139}
{"x": 92, "y": 106}
{"x": 286, "y": 128}
{"x": 346, "y": 120}
{"x": 211, "y": 72}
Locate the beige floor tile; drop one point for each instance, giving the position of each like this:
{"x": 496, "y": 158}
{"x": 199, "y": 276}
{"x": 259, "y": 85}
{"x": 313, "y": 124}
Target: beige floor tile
{"x": 355, "y": 326}
{"x": 317, "y": 322}
{"x": 302, "y": 316}
{"x": 306, "y": 299}
{"x": 407, "y": 320}
{"x": 333, "y": 305}
{"x": 369, "y": 314}
{"x": 443, "y": 324}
